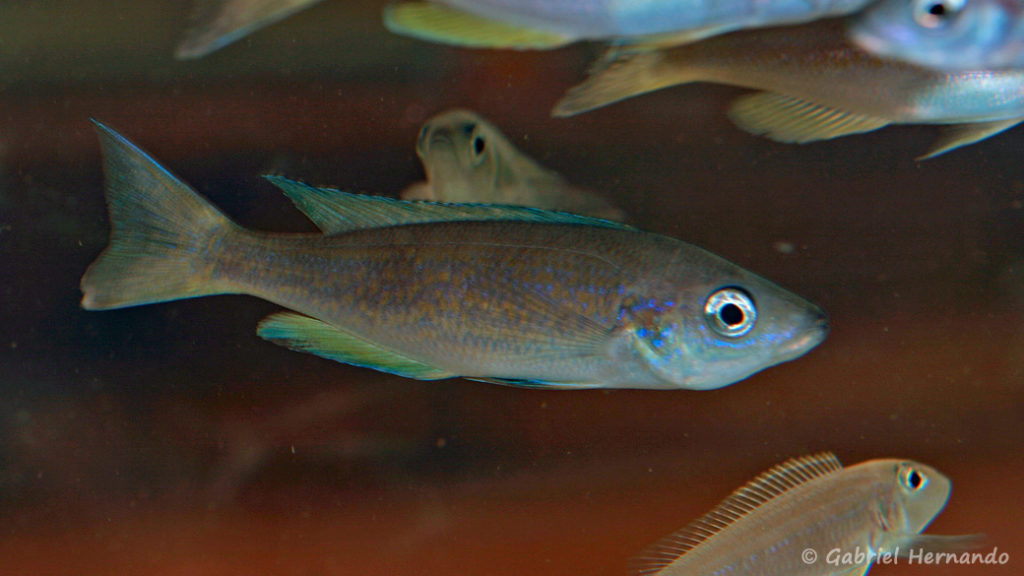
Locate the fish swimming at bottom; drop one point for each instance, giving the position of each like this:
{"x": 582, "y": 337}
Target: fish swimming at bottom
{"x": 510, "y": 295}
{"x": 810, "y": 516}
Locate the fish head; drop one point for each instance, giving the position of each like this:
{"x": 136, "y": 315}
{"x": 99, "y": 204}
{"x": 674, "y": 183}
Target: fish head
{"x": 714, "y": 334}
{"x": 918, "y": 493}
{"x": 944, "y": 34}
{"x": 462, "y": 155}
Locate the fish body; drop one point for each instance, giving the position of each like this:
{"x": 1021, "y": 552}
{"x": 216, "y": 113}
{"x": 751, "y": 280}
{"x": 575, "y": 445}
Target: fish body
{"x": 467, "y": 159}
{"x": 878, "y": 507}
{"x": 512, "y": 295}
{"x": 947, "y": 35}
{"x": 540, "y": 24}
{"x": 816, "y": 85}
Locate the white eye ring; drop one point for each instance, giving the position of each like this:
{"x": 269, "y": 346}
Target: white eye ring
{"x": 911, "y": 478}
{"x": 936, "y": 13}
{"x": 730, "y": 312}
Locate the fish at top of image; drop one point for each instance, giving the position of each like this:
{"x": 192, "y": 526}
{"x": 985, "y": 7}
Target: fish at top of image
{"x": 505, "y": 294}
{"x": 217, "y": 23}
{"x": 814, "y": 85}
{"x": 533, "y": 25}
{"x": 467, "y": 159}
{"x": 809, "y": 516}
{"x": 948, "y": 35}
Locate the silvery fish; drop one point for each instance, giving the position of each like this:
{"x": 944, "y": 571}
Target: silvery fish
{"x": 533, "y": 24}
{"x": 510, "y": 295}
{"x": 944, "y": 34}
{"x": 467, "y": 159}
{"x": 816, "y": 86}
{"x": 810, "y": 516}
{"x": 217, "y": 23}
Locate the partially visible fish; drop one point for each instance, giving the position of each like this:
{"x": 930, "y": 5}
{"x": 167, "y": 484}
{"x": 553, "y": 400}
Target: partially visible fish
{"x": 944, "y": 34}
{"x": 511, "y": 295}
{"x": 218, "y": 23}
{"x": 816, "y": 85}
{"x": 810, "y": 516}
{"x": 533, "y": 24}
{"x": 467, "y": 159}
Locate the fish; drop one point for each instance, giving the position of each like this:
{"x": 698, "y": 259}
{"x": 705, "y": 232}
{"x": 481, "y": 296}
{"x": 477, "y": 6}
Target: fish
{"x": 810, "y": 516}
{"x": 813, "y": 84}
{"x": 468, "y": 160}
{"x": 947, "y": 35}
{"x": 533, "y": 25}
{"x": 509, "y": 295}
{"x": 217, "y": 23}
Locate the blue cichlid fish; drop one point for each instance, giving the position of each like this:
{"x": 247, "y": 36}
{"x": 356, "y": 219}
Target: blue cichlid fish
{"x": 467, "y": 159}
{"x": 815, "y": 85}
{"x": 217, "y": 23}
{"x": 544, "y": 24}
{"x": 944, "y": 34}
{"x": 811, "y": 517}
{"x": 510, "y": 295}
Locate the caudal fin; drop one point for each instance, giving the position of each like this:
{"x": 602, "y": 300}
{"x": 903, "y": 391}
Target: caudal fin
{"x": 620, "y": 74}
{"x": 218, "y": 23}
{"x": 161, "y": 233}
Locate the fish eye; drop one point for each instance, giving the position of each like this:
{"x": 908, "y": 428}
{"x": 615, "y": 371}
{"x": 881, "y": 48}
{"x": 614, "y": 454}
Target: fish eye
{"x": 912, "y": 478}
{"x": 936, "y": 13}
{"x": 730, "y": 312}
{"x": 479, "y": 145}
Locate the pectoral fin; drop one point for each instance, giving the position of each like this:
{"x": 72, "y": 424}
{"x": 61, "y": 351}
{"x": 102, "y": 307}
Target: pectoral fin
{"x": 787, "y": 119}
{"x": 445, "y": 25}
{"x": 933, "y": 543}
{"x": 959, "y": 135}
{"x": 310, "y": 335}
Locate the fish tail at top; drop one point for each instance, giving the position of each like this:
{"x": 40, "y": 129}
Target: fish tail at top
{"x": 622, "y": 73}
{"x": 161, "y": 235}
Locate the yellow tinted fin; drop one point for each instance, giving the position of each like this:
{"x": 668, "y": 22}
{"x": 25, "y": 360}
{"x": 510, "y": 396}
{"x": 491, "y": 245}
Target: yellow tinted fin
{"x": 217, "y": 23}
{"x": 621, "y": 74}
{"x": 787, "y": 119}
{"x": 161, "y": 233}
{"x": 310, "y": 335}
{"x": 446, "y": 25}
{"x": 334, "y": 211}
{"x": 775, "y": 482}
{"x": 958, "y": 135}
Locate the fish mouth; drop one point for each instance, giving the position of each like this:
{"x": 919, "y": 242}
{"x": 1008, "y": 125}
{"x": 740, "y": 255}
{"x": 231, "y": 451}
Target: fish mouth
{"x": 814, "y": 334}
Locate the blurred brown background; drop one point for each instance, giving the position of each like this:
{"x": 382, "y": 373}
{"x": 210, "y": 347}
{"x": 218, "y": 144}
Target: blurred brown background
{"x": 169, "y": 439}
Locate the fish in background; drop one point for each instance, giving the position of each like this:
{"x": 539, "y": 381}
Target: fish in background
{"x": 814, "y": 85}
{"x": 948, "y": 35}
{"x": 510, "y": 295}
{"x": 217, "y": 23}
{"x": 467, "y": 159}
{"x": 529, "y": 24}
{"x": 786, "y": 522}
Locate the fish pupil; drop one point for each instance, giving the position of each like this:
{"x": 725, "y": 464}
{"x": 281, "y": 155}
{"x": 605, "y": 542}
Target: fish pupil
{"x": 914, "y": 480}
{"x": 937, "y": 9}
{"x": 731, "y": 314}
{"x": 479, "y": 145}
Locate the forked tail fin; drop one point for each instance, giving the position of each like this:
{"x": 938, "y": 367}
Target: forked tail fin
{"x": 161, "y": 233}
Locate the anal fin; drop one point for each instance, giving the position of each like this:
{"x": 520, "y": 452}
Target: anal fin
{"x": 788, "y": 119}
{"x": 307, "y": 334}
{"x": 446, "y": 25}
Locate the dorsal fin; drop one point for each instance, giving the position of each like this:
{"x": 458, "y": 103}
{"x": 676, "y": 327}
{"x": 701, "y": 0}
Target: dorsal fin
{"x": 776, "y": 481}
{"x": 334, "y": 211}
